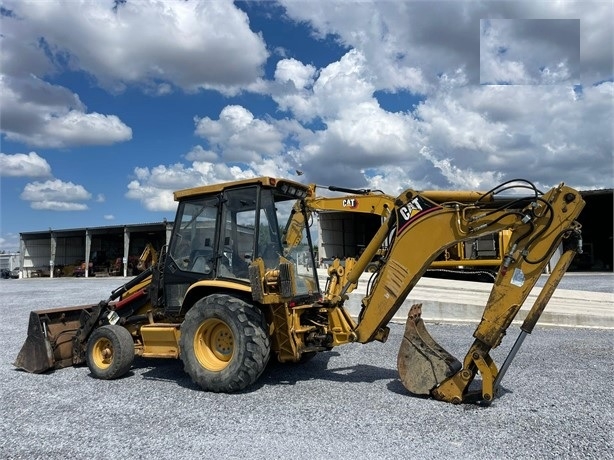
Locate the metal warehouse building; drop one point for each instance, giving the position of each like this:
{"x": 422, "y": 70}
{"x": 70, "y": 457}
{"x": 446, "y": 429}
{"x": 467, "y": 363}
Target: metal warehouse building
{"x": 115, "y": 250}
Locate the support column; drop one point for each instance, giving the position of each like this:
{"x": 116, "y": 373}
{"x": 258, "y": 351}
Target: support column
{"x": 88, "y": 247}
{"x": 22, "y": 256}
{"x": 54, "y": 245}
{"x": 126, "y": 250}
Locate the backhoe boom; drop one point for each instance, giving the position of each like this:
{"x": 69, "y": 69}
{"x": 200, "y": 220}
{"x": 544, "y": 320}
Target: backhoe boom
{"x": 419, "y": 229}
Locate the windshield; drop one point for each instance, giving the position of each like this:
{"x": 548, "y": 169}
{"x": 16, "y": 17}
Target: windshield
{"x": 272, "y": 241}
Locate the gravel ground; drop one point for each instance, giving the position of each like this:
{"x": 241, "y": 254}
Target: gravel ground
{"x": 348, "y": 403}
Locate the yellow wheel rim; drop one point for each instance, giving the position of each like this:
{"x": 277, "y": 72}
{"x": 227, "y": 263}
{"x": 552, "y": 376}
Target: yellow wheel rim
{"x": 214, "y": 344}
{"x": 102, "y": 353}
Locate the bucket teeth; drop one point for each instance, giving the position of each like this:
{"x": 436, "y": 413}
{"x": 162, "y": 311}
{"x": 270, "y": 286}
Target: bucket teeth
{"x": 422, "y": 363}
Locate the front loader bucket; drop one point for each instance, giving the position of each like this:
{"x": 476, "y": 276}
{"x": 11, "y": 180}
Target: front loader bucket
{"x": 50, "y": 339}
{"x": 422, "y": 363}
{"x": 36, "y": 354}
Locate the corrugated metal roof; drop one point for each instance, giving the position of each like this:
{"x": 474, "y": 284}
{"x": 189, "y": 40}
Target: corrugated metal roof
{"x": 106, "y": 228}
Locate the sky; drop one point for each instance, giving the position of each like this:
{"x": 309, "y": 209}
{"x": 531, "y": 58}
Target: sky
{"x": 107, "y": 107}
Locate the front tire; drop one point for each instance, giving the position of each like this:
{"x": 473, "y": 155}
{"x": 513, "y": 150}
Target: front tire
{"x": 110, "y": 352}
{"x": 224, "y": 343}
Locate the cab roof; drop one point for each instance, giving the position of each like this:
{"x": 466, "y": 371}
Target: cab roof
{"x": 271, "y": 182}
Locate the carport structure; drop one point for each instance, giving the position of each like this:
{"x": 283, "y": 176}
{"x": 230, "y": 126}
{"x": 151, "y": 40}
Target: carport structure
{"x": 112, "y": 250}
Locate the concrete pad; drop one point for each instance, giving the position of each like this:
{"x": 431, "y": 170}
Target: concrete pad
{"x": 463, "y": 302}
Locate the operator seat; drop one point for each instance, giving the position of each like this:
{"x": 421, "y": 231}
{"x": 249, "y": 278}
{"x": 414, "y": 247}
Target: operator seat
{"x": 201, "y": 260}
{"x": 270, "y": 255}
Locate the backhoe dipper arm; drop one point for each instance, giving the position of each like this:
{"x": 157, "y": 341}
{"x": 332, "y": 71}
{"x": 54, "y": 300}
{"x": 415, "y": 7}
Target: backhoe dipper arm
{"x": 369, "y": 203}
{"x": 421, "y": 229}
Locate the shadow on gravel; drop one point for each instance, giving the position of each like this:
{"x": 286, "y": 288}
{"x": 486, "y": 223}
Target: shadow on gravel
{"x": 318, "y": 369}
{"x": 275, "y": 373}
{"x": 396, "y": 386}
{"x": 171, "y": 370}
{"x": 168, "y": 370}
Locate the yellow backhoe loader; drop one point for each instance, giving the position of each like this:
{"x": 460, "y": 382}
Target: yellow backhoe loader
{"x": 229, "y": 292}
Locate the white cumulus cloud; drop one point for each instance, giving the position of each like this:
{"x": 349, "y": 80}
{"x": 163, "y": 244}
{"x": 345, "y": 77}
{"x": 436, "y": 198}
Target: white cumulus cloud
{"x": 24, "y": 165}
{"x": 56, "y": 195}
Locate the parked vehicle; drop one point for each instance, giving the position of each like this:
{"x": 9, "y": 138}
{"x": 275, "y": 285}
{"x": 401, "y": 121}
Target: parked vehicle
{"x": 6, "y": 274}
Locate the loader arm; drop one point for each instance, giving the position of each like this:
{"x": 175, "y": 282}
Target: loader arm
{"x": 419, "y": 229}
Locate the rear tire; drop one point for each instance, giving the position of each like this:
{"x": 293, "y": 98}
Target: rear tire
{"x": 224, "y": 343}
{"x": 110, "y": 352}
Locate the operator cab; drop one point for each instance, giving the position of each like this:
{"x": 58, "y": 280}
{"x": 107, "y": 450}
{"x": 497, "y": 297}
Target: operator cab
{"x": 220, "y": 230}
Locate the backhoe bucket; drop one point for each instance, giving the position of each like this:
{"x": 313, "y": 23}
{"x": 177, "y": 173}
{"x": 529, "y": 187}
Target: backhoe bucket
{"x": 422, "y": 363}
{"x": 50, "y": 339}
